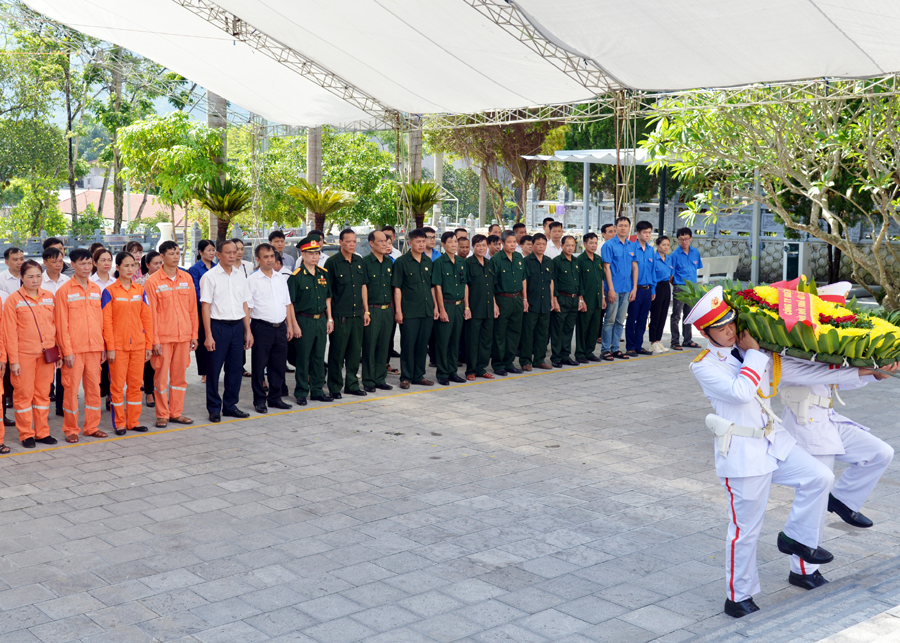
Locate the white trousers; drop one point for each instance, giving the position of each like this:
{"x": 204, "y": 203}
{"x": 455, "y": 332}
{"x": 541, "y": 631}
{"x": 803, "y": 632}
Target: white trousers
{"x": 868, "y": 458}
{"x": 747, "y": 499}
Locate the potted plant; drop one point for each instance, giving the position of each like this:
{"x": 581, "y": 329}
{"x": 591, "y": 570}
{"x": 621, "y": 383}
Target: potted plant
{"x": 321, "y": 201}
{"x": 421, "y": 197}
{"x": 225, "y": 198}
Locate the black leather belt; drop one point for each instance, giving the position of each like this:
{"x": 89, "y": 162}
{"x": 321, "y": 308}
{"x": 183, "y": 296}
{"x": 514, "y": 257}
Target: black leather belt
{"x": 644, "y": 287}
{"x": 455, "y": 302}
{"x": 308, "y": 316}
{"x": 228, "y": 322}
{"x": 565, "y": 294}
{"x": 267, "y": 323}
{"x": 380, "y": 306}
{"x": 510, "y": 295}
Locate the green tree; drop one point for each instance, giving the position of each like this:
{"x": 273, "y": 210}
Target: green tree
{"x": 88, "y": 222}
{"x": 840, "y": 156}
{"x": 225, "y": 198}
{"x": 37, "y": 210}
{"x": 464, "y": 185}
{"x": 322, "y": 201}
{"x": 420, "y": 197}
{"x": 30, "y": 147}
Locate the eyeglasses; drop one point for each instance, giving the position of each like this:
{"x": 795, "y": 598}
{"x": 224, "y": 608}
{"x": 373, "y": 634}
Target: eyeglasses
{"x": 430, "y": 238}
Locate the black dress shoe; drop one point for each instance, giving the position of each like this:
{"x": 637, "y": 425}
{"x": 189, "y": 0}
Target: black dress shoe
{"x": 593, "y": 358}
{"x": 301, "y": 401}
{"x": 235, "y": 413}
{"x": 582, "y": 360}
{"x": 139, "y": 429}
{"x": 336, "y": 396}
{"x": 515, "y": 370}
{"x": 737, "y": 610}
{"x": 48, "y": 440}
{"x": 847, "y": 514}
{"x": 28, "y": 443}
{"x": 324, "y": 397}
{"x": 369, "y": 389}
{"x": 384, "y": 387}
{"x": 357, "y": 393}
{"x": 500, "y": 372}
{"x": 122, "y": 431}
{"x": 260, "y": 408}
{"x": 569, "y": 362}
{"x": 60, "y": 413}
{"x": 456, "y": 378}
{"x": 279, "y": 404}
{"x": 556, "y": 364}
{"x": 443, "y": 381}
{"x": 807, "y": 581}
{"x": 8, "y": 422}
{"x": 817, "y": 556}
{"x": 394, "y": 353}
{"x": 213, "y": 417}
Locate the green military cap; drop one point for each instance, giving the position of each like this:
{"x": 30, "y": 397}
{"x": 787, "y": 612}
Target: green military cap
{"x": 310, "y": 243}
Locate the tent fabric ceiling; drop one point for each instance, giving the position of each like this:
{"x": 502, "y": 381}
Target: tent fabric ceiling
{"x": 448, "y": 57}
{"x": 600, "y": 157}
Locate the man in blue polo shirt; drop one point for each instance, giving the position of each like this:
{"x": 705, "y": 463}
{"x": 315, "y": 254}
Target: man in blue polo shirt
{"x": 621, "y": 283}
{"x": 687, "y": 262}
{"x": 642, "y": 254}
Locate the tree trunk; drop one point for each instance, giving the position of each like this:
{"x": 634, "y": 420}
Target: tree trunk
{"x": 143, "y": 203}
{"x": 118, "y": 182}
{"x": 420, "y": 220}
{"x": 70, "y": 138}
{"x": 319, "y": 220}
{"x": 222, "y": 230}
{"x": 313, "y": 165}
{"x": 103, "y": 192}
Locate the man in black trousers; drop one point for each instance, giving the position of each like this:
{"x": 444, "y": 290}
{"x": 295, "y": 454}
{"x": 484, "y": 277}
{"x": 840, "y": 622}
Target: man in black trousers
{"x": 273, "y": 326}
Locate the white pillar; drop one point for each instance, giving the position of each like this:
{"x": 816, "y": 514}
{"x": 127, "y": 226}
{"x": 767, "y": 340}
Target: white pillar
{"x": 439, "y": 180}
{"x": 586, "y": 197}
{"x": 313, "y": 163}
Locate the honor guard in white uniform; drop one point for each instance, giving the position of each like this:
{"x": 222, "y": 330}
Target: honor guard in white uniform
{"x": 809, "y": 416}
{"x": 753, "y": 450}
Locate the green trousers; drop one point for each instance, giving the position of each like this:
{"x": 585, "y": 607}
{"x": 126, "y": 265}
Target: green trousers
{"x": 377, "y": 345}
{"x": 414, "y": 335}
{"x": 479, "y": 336}
{"x": 507, "y": 331}
{"x": 345, "y": 347}
{"x": 561, "y": 326}
{"x": 447, "y": 340}
{"x": 587, "y": 330}
{"x": 309, "y": 349}
{"x": 535, "y": 333}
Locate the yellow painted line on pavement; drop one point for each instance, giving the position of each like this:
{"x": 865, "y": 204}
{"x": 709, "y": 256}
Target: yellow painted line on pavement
{"x": 83, "y": 442}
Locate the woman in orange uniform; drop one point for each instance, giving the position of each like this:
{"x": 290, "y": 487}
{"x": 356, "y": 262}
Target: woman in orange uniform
{"x": 128, "y": 331}
{"x": 29, "y": 329}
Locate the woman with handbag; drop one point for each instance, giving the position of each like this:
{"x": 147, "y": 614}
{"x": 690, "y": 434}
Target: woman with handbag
{"x": 29, "y": 337}
{"x": 128, "y": 331}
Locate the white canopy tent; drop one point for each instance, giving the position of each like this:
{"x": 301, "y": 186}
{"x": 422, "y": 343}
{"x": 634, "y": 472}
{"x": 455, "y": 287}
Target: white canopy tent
{"x": 312, "y": 62}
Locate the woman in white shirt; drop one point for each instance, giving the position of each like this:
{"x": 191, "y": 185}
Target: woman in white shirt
{"x": 101, "y": 276}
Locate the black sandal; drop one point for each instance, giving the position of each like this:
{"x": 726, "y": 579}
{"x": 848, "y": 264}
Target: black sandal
{"x": 607, "y": 357}
{"x": 691, "y": 344}
{"x": 4, "y": 449}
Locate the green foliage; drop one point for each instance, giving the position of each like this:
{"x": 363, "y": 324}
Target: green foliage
{"x": 30, "y": 146}
{"x": 321, "y": 201}
{"x": 464, "y": 185}
{"x": 171, "y": 154}
{"x": 224, "y": 198}
{"x": 149, "y": 223}
{"x": 421, "y": 196}
{"x": 37, "y": 210}
{"x": 88, "y": 222}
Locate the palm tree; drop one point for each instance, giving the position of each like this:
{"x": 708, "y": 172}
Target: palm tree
{"x": 421, "y": 197}
{"x": 225, "y": 198}
{"x": 321, "y": 201}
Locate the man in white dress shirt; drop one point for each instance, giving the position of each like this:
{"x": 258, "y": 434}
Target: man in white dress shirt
{"x": 753, "y": 449}
{"x": 554, "y": 241}
{"x": 273, "y": 325}
{"x": 11, "y": 278}
{"x": 226, "y": 318}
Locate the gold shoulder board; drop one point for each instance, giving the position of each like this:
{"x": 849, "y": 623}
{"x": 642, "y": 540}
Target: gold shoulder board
{"x": 699, "y": 357}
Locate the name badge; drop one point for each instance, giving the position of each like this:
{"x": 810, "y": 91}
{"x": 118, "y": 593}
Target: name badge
{"x": 94, "y": 295}
{"x": 47, "y": 301}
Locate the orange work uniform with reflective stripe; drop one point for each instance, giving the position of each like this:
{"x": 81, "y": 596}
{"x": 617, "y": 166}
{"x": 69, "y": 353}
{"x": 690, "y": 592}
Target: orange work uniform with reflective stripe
{"x": 128, "y": 330}
{"x": 24, "y": 346}
{"x": 79, "y": 334}
{"x": 173, "y": 307}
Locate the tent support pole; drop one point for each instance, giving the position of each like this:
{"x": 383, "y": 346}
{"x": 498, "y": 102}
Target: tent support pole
{"x": 662, "y": 201}
{"x": 586, "y": 196}
{"x": 755, "y": 230}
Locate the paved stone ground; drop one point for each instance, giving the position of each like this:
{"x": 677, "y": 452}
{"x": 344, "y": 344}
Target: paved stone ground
{"x": 570, "y": 506}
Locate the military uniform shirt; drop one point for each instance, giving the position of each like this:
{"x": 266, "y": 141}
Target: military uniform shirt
{"x": 481, "y": 287}
{"x": 565, "y": 276}
{"x": 413, "y": 278}
{"x": 590, "y": 279}
{"x": 539, "y": 275}
{"x": 451, "y": 277}
{"x": 378, "y": 276}
{"x": 347, "y": 280}
{"x": 509, "y": 273}
{"x": 309, "y": 292}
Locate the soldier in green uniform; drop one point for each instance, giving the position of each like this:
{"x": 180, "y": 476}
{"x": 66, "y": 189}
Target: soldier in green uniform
{"x": 414, "y": 309}
{"x": 449, "y": 281}
{"x": 539, "y": 274}
{"x": 479, "y": 329}
{"x": 591, "y": 302}
{"x": 562, "y": 322}
{"x": 509, "y": 272}
{"x": 350, "y": 307}
{"x": 377, "y": 334}
{"x": 310, "y": 289}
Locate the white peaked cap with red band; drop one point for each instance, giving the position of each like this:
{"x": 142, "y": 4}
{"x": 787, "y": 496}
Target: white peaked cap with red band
{"x": 712, "y": 311}
{"x": 836, "y": 292}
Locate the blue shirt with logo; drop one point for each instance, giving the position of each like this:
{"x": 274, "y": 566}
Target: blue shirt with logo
{"x": 618, "y": 255}
{"x": 686, "y": 265}
{"x": 663, "y": 267}
{"x": 644, "y": 257}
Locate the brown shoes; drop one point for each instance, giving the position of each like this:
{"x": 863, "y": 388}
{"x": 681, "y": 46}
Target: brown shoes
{"x": 526, "y": 368}
{"x": 544, "y": 366}
{"x": 404, "y": 384}
{"x": 424, "y": 382}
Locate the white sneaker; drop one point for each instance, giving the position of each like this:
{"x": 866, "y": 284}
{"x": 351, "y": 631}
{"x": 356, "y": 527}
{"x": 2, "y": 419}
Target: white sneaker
{"x": 657, "y": 347}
